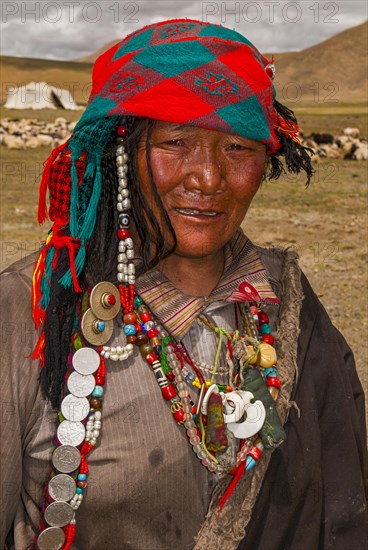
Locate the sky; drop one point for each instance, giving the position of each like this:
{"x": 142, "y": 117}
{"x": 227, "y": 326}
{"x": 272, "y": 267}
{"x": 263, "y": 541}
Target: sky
{"x": 68, "y": 30}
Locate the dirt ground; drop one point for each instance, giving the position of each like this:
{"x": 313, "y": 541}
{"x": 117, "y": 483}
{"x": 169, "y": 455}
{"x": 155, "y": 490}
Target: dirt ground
{"x": 326, "y": 224}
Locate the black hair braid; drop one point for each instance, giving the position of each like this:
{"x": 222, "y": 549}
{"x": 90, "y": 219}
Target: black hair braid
{"x": 297, "y": 157}
{"x": 58, "y": 328}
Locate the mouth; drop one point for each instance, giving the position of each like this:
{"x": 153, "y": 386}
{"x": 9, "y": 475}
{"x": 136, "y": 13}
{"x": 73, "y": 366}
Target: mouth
{"x": 197, "y": 213}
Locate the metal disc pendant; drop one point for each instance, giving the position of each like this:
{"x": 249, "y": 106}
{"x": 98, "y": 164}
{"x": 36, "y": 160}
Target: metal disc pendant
{"x": 71, "y": 433}
{"x": 88, "y": 324}
{"x": 98, "y": 300}
{"x": 52, "y": 538}
{"x": 62, "y": 487}
{"x": 81, "y": 385}
{"x": 86, "y": 360}
{"x": 75, "y": 408}
{"x": 58, "y": 514}
{"x": 66, "y": 458}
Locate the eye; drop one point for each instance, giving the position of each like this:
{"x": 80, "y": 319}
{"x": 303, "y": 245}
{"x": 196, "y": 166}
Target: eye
{"x": 238, "y": 147}
{"x": 175, "y": 142}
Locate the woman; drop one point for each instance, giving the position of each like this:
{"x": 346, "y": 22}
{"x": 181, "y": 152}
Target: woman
{"x": 147, "y": 283}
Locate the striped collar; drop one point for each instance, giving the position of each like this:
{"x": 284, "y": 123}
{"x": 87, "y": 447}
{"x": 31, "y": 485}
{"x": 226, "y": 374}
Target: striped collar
{"x": 244, "y": 279}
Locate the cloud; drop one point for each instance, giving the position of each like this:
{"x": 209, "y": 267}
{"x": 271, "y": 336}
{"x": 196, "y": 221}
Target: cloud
{"x": 72, "y": 29}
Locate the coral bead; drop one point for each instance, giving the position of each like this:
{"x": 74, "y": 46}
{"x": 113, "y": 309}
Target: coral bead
{"x": 123, "y": 233}
{"x": 151, "y": 357}
{"x": 255, "y": 453}
{"x": 263, "y": 317}
{"x": 146, "y": 316}
{"x": 111, "y": 300}
{"x": 268, "y": 339}
{"x": 179, "y": 415}
{"x": 273, "y": 381}
{"x": 121, "y": 131}
{"x": 168, "y": 392}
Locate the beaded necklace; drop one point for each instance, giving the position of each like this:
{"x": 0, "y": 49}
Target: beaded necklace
{"x": 234, "y": 415}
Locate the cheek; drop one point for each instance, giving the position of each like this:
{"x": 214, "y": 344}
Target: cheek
{"x": 246, "y": 179}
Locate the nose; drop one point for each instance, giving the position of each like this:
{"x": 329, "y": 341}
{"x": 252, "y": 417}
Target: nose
{"x": 204, "y": 172}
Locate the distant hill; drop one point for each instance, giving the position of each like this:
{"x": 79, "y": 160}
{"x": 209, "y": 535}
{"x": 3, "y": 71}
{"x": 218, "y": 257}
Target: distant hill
{"x": 75, "y": 77}
{"x": 335, "y": 69}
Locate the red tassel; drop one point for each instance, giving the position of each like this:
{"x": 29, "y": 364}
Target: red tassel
{"x": 46, "y": 175}
{"x": 38, "y": 352}
{"x": 37, "y": 313}
{"x": 71, "y": 244}
{"x": 227, "y": 494}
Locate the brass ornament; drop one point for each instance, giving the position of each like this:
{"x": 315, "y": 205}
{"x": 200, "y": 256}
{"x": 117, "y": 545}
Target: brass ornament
{"x": 89, "y": 321}
{"x": 99, "y": 304}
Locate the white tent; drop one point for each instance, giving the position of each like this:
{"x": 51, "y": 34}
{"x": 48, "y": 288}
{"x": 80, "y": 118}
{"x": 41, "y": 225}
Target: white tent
{"x": 39, "y": 95}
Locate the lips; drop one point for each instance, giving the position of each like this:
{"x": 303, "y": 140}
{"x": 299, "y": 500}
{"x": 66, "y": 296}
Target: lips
{"x": 193, "y": 212}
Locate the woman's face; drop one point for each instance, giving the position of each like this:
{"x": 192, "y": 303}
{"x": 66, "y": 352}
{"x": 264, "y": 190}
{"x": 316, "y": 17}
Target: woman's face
{"x": 206, "y": 180}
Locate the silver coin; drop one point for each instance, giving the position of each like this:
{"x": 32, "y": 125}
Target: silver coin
{"x": 74, "y": 408}
{"x": 66, "y": 458}
{"x": 62, "y": 487}
{"x": 71, "y": 433}
{"x": 81, "y": 385}
{"x": 52, "y": 538}
{"x": 58, "y": 514}
{"x": 86, "y": 361}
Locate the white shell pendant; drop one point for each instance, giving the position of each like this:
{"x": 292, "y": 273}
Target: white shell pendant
{"x": 255, "y": 414}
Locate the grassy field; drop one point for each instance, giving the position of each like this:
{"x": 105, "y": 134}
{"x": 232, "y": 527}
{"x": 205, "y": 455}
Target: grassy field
{"x": 326, "y": 223}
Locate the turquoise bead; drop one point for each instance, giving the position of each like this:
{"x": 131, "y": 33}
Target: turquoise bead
{"x": 82, "y": 477}
{"x": 270, "y": 372}
{"x": 129, "y": 330}
{"x": 265, "y": 328}
{"x": 98, "y": 391}
{"x": 100, "y": 326}
{"x": 249, "y": 463}
{"x": 79, "y": 491}
{"x": 138, "y": 301}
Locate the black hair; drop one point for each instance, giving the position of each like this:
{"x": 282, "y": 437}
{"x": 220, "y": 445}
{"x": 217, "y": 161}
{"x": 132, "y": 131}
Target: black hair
{"x": 297, "y": 157}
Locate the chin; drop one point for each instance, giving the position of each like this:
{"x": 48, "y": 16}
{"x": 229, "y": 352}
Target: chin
{"x": 198, "y": 250}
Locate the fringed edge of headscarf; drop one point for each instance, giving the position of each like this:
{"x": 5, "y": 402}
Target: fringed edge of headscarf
{"x": 227, "y": 529}
{"x": 297, "y": 156}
